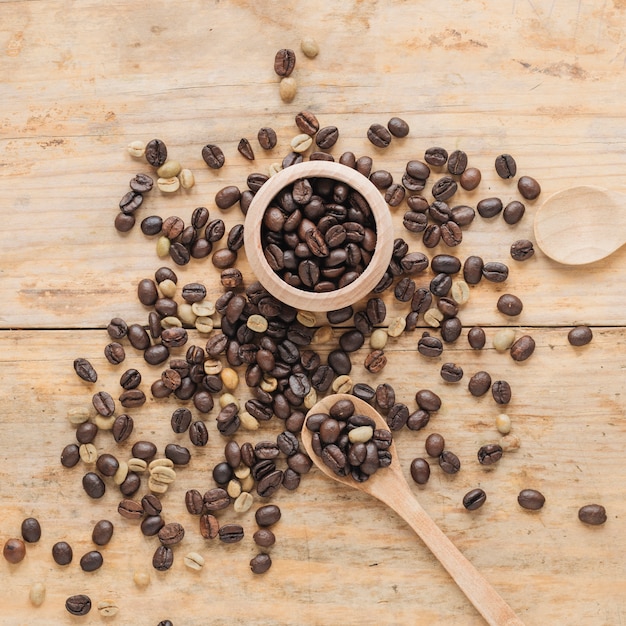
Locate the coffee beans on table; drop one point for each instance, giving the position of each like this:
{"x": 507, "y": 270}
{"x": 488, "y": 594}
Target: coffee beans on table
{"x": 531, "y": 499}
{"x": 592, "y": 514}
{"x": 474, "y": 499}
{"x": 14, "y": 550}
{"x": 78, "y": 604}
{"x": 31, "y": 530}
{"x": 580, "y": 336}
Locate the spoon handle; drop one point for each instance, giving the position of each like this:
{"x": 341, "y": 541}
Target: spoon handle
{"x": 478, "y": 591}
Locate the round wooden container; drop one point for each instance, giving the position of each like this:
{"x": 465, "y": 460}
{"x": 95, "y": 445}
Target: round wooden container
{"x": 300, "y": 298}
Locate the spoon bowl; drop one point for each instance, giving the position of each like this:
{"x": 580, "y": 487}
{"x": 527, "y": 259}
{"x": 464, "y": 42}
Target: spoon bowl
{"x": 390, "y": 487}
{"x": 581, "y": 225}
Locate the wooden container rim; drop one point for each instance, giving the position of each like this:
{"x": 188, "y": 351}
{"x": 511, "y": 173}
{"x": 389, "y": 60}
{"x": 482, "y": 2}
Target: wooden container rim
{"x": 299, "y": 298}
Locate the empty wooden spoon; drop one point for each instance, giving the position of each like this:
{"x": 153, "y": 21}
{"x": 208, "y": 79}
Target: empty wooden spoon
{"x": 581, "y": 225}
{"x": 389, "y": 486}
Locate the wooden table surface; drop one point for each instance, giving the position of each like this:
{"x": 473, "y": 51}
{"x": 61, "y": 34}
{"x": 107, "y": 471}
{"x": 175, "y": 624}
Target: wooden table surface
{"x": 543, "y": 80}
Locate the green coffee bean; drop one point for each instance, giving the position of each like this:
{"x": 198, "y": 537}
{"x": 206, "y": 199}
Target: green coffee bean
{"x": 396, "y": 326}
{"x": 307, "y": 318}
{"x": 168, "y": 185}
{"x": 204, "y": 308}
{"x": 37, "y": 594}
{"x": 360, "y": 434}
{"x": 433, "y": 317}
{"x": 503, "y": 339}
{"x": 378, "y": 339}
{"x": 301, "y": 143}
{"x": 309, "y": 46}
{"x": 248, "y": 422}
{"x": 167, "y": 288}
{"x": 186, "y": 178}
{"x": 243, "y": 502}
{"x": 503, "y": 423}
{"x": 288, "y": 89}
{"x": 257, "y": 323}
{"x": 194, "y": 561}
{"x": 163, "y": 246}
{"x": 107, "y": 608}
{"x": 460, "y": 291}
{"x": 204, "y": 324}
{"x": 136, "y": 149}
{"x": 169, "y": 169}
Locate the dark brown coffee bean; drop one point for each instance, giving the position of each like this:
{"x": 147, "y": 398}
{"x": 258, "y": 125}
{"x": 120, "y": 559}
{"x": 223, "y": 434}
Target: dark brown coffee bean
{"x": 444, "y": 188}
{"x": 501, "y": 391}
{"x": 102, "y": 532}
{"x": 522, "y": 249}
{"x": 151, "y": 504}
{"x": 130, "y": 509}
{"x": 436, "y": 156}
{"x": 379, "y": 135}
{"x": 449, "y": 462}
{"x": 260, "y": 563}
{"x": 231, "y": 533}
{"x": 479, "y": 384}
{"x": 495, "y": 271}
{"x": 132, "y": 398}
{"x": 70, "y": 455}
{"x": 264, "y": 537}
{"x": 457, "y": 162}
{"x": 429, "y": 346}
{"x": 171, "y": 534}
{"x": 267, "y": 515}
{"x": 79, "y": 604}
{"x": 489, "y": 207}
{"x": 451, "y": 234}
{"x": 62, "y": 553}
{"x": 107, "y": 464}
{"x": 179, "y": 455}
{"x": 451, "y": 372}
{"x": 245, "y": 149}
{"x": 163, "y": 558}
{"x": 86, "y": 432}
{"x": 531, "y": 499}
{"x": 213, "y": 156}
{"x": 145, "y": 450}
{"x": 523, "y": 348}
{"x": 509, "y": 304}
{"x": 124, "y": 222}
{"x": 580, "y": 336}
{"x": 418, "y": 420}
{"x": 91, "y": 561}
{"x": 327, "y": 137}
{"x": 450, "y": 329}
{"x": 474, "y": 499}
{"x": 420, "y": 471}
{"x": 470, "y": 178}
{"x": 592, "y": 514}
{"x": 31, "y": 530}
{"x": 156, "y": 152}
{"x": 307, "y": 122}
{"x": 489, "y": 454}
{"x": 267, "y": 138}
{"x": 506, "y": 166}
{"x": 513, "y": 212}
{"x": 375, "y": 361}
{"x": 476, "y": 338}
{"x": 85, "y": 370}
{"x": 434, "y": 445}
{"x": 395, "y": 195}
{"x": 428, "y": 400}
{"x": 398, "y": 127}
{"x": 284, "y": 62}
{"x": 462, "y": 215}
{"x": 227, "y": 196}
{"x": 415, "y": 222}
{"x": 198, "y": 434}
{"x": 414, "y": 262}
{"x": 473, "y": 270}
{"x": 528, "y": 187}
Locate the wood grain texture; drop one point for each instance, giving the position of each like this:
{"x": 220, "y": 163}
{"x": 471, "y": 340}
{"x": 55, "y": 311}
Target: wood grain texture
{"x": 543, "y": 81}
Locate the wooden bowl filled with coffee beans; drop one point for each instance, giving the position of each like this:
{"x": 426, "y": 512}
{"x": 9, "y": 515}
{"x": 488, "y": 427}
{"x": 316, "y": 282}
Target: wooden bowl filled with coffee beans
{"x": 318, "y": 235}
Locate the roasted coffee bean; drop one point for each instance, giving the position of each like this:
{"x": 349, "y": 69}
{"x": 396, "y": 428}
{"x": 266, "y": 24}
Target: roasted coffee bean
{"x": 580, "y": 336}
{"x": 62, "y": 553}
{"x": 86, "y": 432}
{"x": 522, "y": 348}
{"x": 449, "y": 462}
{"x": 509, "y": 304}
{"x": 179, "y": 455}
{"x": 151, "y": 504}
{"x": 436, "y": 156}
{"x": 213, "y": 156}
{"x": 414, "y": 262}
{"x": 431, "y": 236}
{"x": 327, "y": 137}
{"x": 260, "y": 563}
{"x": 245, "y": 149}
{"x": 85, "y": 370}
{"x": 489, "y": 207}
{"x": 351, "y": 340}
{"x": 513, "y": 212}
{"x": 141, "y": 183}
{"x": 267, "y": 515}
{"x": 495, "y": 272}
{"x": 151, "y": 225}
{"x": 382, "y": 179}
{"x": 450, "y": 329}
{"x": 130, "y": 379}
{"x": 429, "y": 346}
{"x": 231, "y": 533}
{"x": 451, "y": 234}
{"x": 462, "y": 215}
{"x": 124, "y": 222}
{"x": 489, "y": 454}
{"x": 418, "y": 420}
{"x": 457, "y": 162}
{"x": 138, "y": 337}
{"x": 592, "y": 514}
{"x": 434, "y": 445}
{"x": 284, "y": 62}
{"x": 501, "y": 391}
{"x": 375, "y": 361}
{"x": 151, "y": 525}
{"x": 398, "y": 127}
{"x": 531, "y": 499}
{"x": 522, "y": 249}
{"x": 420, "y": 471}
{"x": 102, "y": 532}
{"x": 209, "y": 526}
{"x": 194, "y": 501}
{"x": 528, "y": 187}
{"x": 171, "y": 534}
{"x": 130, "y": 509}
{"x": 93, "y": 485}
{"x": 476, "y": 338}
{"x": 444, "y": 188}
{"x": 31, "y": 530}
{"x": 267, "y": 138}
{"x": 397, "y": 416}
{"x": 129, "y": 203}
{"x": 473, "y": 270}
{"x": 132, "y": 398}
{"x": 474, "y": 499}
{"x": 103, "y": 403}
{"x": 107, "y": 464}
{"x": 163, "y": 558}
{"x": 445, "y": 263}
{"x": 145, "y": 450}
{"x": 379, "y": 135}
{"x": 91, "y": 561}
{"x": 440, "y": 285}
{"x": 505, "y": 166}
{"x": 198, "y": 434}
{"x": 451, "y": 372}
{"x": 79, "y": 604}
{"x": 470, "y": 178}
{"x": 428, "y": 400}
{"x": 479, "y": 384}
{"x": 415, "y": 222}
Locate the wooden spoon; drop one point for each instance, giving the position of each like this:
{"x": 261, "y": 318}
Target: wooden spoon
{"x": 581, "y": 225}
{"x": 389, "y": 486}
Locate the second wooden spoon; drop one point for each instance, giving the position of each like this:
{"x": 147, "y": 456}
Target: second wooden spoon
{"x": 389, "y": 486}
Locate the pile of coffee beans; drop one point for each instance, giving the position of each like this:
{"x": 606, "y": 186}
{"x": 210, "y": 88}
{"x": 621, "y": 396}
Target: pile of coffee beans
{"x": 318, "y": 234}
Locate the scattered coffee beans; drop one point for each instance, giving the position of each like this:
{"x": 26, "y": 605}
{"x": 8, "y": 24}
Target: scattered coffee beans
{"x": 592, "y": 514}
{"x": 531, "y": 499}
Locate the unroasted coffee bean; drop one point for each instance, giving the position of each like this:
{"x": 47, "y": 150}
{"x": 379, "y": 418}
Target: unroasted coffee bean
{"x": 489, "y": 454}
{"x": 522, "y": 348}
{"x": 501, "y": 391}
{"x": 509, "y": 304}
{"x": 79, "y": 604}
{"x": 85, "y": 370}
{"x": 506, "y": 166}
{"x": 592, "y": 514}
{"x": 479, "y": 384}
{"x": 260, "y": 563}
{"x": 474, "y": 499}
{"x": 528, "y": 187}
{"x": 449, "y": 462}
{"x": 522, "y": 249}
{"x": 213, "y": 156}
{"x": 62, "y": 553}
{"x": 91, "y": 561}
{"x": 531, "y": 499}
{"x": 580, "y": 336}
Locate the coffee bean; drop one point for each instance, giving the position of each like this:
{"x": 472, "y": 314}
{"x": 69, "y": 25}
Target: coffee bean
{"x": 489, "y": 207}
{"x": 523, "y": 348}
{"x": 103, "y": 403}
{"x": 231, "y": 533}
{"x": 379, "y": 135}
{"x": 449, "y": 462}
{"x": 198, "y": 434}
{"x": 429, "y": 346}
{"x": 213, "y": 156}
{"x": 434, "y": 445}
{"x": 327, "y": 137}
{"x": 284, "y": 62}
{"x": 171, "y": 534}
{"x": 444, "y": 188}
{"x": 531, "y": 499}
{"x": 260, "y": 563}
{"x": 580, "y": 336}
{"x": 267, "y": 515}
{"x": 463, "y": 215}
{"x": 163, "y": 558}
{"x": 62, "y": 553}
{"x": 436, "y": 156}
{"x": 592, "y": 514}
{"x": 93, "y": 485}
{"x": 31, "y": 530}
{"x": 476, "y": 338}
{"x": 102, "y": 532}
{"x": 428, "y": 400}
{"x": 91, "y": 561}
{"x": 79, "y": 604}
{"x": 509, "y": 304}
{"x": 506, "y": 166}
{"x": 156, "y": 152}
{"x": 107, "y": 464}
{"x": 86, "y": 432}
{"x": 473, "y": 270}
{"x": 470, "y": 178}
{"x": 501, "y": 391}
{"x": 489, "y": 454}
{"x": 398, "y": 127}
{"x": 474, "y": 499}
{"x": 495, "y": 272}
{"x": 528, "y": 187}
{"x": 130, "y": 379}
{"x": 457, "y": 162}
{"x": 85, "y": 370}
{"x": 513, "y": 212}
{"x": 451, "y": 372}
{"x": 14, "y": 550}
{"x": 479, "y": 384}
{"x": 267, "y": 138}
{"x": 522, "y": 249}
{"x": 420, "y": 471}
